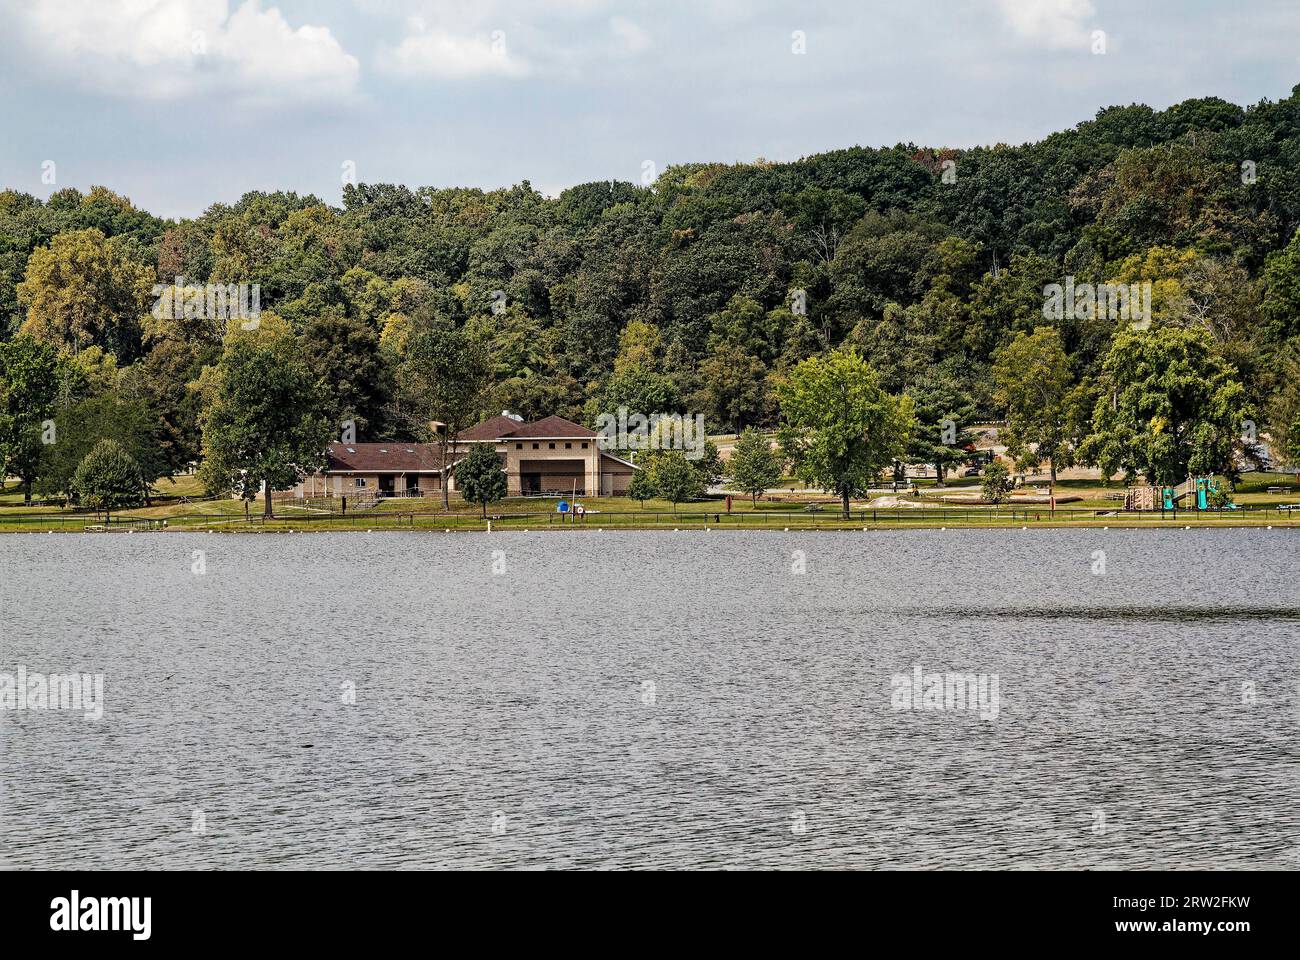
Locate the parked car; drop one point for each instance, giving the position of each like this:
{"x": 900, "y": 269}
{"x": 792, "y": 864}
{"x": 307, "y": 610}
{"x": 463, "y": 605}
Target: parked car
{"x": 972, "y": 471}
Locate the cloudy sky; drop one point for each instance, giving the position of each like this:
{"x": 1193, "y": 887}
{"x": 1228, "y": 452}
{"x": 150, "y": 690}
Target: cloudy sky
{"x": 180, "y": 103}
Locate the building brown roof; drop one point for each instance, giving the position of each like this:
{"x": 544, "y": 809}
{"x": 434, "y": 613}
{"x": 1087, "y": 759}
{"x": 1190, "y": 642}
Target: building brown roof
{"x": 494, "y": 428}
{"x": 500, "y": 427}
{"x": 550, "y": 427}
{"x": 382, "y": 457}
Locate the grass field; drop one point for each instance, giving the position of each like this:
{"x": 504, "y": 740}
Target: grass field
{"x": 180, "y": 505}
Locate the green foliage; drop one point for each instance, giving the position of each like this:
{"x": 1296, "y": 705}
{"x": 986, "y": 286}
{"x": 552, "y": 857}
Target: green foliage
{"x": 943, "y": 411}
{"x": 1219, "y": 498}
{"x": 708, "y": 465}
{"x": 840, "y": 428}
{"x": 108, "y": 479}
{"x": 1170, "y": 408}
{"x": 673, "y": 477}
{"x": 1032, "y": 374}
{"x": 642, "y": 487}
{"x": 343, "y": 354}
{"x": 996, "y": 485}
{"x": 83, "y": 290}
{"x": 442, "y": 379}
{"x": 80, "y": 428}
{"x": 264, "y": 425}
{"x": 479, "y": 476}
{"x": 29, "y": 386}
{"x": 754, "y": 466}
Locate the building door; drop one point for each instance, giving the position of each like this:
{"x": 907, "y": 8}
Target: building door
{"x": 530, "y": 483}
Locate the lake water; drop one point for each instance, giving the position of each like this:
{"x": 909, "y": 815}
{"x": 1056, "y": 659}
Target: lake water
{"x": 651, "y": 700}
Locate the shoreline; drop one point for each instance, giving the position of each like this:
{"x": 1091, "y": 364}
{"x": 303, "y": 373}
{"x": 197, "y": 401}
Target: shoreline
{"x": 371, "y": 525}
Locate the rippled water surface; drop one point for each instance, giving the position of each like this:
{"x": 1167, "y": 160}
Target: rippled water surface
{"x": 655, "y": 700}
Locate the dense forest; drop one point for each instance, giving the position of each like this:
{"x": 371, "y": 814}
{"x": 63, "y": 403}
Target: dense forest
{"x": 697, "y": 293}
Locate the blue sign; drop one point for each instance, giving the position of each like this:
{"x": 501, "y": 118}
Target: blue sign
{"x": 563, "y": 507}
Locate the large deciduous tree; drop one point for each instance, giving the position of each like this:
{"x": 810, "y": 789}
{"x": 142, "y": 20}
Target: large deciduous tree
{"x": 443, "y": 377}
{"x": 264, "y": 427}
{"x": 29, "y": 389}
{"x": 1032, "y": 375}
{"x": 1170, "y": 408}
{"x": 83, "y": 290}
{"x": 840, "y": 429}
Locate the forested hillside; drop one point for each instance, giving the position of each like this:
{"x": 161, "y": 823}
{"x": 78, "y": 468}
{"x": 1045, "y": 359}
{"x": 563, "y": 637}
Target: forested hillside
{"x": 697, "y": 293}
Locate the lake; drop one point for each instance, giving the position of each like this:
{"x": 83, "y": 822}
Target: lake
{"x": 656, "y": 700}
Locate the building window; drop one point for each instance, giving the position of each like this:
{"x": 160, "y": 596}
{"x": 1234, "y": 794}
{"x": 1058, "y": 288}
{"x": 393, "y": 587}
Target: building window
{"x": 360, "y": 481}
{"x": 551, "y": 445}
{"x": 535, "y": 446}
{"x": 568, "y": 446}
{"x": 584, "y": 446}
{"x": 519, "y": 446}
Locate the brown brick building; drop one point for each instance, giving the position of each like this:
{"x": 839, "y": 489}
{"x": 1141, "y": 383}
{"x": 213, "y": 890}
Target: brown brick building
{"x": 550, "y": 456}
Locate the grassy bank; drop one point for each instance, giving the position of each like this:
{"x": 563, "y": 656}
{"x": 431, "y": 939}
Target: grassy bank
{"x": 178, "y": 507}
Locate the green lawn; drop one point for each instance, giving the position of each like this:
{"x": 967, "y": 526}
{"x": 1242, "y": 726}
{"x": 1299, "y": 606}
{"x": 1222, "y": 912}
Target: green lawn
{"x": 179, "y": 505}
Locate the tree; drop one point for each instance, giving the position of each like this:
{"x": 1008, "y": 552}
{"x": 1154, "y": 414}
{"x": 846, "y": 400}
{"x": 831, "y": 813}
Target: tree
{"x": 83, "y": 289}
{"x": 81, "y": 427}
{"x": 674, "y": 478}
{"x": 442, "y": 378}
{"x": 29, "y": 387}
{"x": 343, "y": 354}
{"x": 733, "y": 387}
{"x": 754, "y": 466}
{"x": 641, "y": 488}
{"x": 480, "y": 477}
{"x": 996, "y": 484}
{"x": 108, "y": 479}
{"x": 1282, "y": 281}
{"x": 1032, "y": 375}
{"x": 840, "y": 428}
{"x": 943, "y": 412}
{"x": 1170, "y": 408}
{"x": 264, "y": 428}
{"x": 708, "y": 465}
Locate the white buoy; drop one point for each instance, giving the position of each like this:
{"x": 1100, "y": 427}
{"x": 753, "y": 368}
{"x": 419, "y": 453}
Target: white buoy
{"x": 448, "y": 530}
{"x": 787, "y": 529}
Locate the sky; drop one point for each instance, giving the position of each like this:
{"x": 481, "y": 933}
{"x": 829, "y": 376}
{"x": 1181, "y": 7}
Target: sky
{"x": 182, "y": 103}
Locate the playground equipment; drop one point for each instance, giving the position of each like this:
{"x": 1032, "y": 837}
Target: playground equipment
{"x": 1168, "y": 498}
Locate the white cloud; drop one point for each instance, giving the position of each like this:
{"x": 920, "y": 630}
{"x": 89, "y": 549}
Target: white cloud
{"x": 630, "y": 34}
{"x": 1058, "y": 24}
{"x": 171, "y": 49}
{"x": 436, "y": 52}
